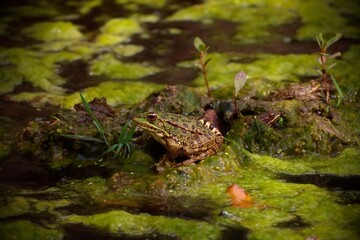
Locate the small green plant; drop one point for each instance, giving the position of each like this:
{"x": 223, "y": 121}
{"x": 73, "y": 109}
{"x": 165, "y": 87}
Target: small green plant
{"x": 202, "y": 51}
{"x": 325, "y": 40}
{"x": 119, "y": 149}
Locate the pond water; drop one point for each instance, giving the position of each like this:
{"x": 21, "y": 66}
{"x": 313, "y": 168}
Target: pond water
{"x": 295, "y": 154}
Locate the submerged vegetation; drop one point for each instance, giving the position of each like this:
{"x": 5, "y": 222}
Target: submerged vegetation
{"x": 288, "y": 168}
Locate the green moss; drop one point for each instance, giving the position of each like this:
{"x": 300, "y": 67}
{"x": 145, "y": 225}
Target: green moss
{"x": 50, "y": 31}
{"x": 107, "y": 65}
{"x": 92, "y": 188}
{"x": 26, "y": 230}
{"x": 344, "y": 164}
{"x": 118, "y": 222}
{"x": 277, "y": 165}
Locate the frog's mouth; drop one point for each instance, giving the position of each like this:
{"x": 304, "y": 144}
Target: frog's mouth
{"x": 157, "y": 133}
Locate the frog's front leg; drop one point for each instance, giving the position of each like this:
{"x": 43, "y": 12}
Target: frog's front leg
{"x": 173, "y": 148}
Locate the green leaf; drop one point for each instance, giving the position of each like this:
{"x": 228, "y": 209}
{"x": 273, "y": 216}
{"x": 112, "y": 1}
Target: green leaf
{"x": 98, "y": 126}
{"x": 331, "y": 38}
{"x": 128, "y": 149}
{"x": 87, "y": 107}
{"x": 239, "y": 81}
{"x": 81, "y": 137}
{"x": 207, "y": 61}
{"x": 320, "y": 40}
{"x": 332, "y": 65}
{"x": 199, "y": 44}
{"x": 110, "y": 149}
{"x": 338, "y": 89}
{"x": 118, "y": 150}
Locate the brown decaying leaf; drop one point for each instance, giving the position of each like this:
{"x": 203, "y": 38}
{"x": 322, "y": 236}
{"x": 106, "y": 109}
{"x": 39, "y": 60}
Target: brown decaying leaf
{"x": 239, "y": 197}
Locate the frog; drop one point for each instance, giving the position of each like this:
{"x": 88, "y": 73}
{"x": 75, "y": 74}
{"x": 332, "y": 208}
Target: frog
{"x": 190, "y": 137}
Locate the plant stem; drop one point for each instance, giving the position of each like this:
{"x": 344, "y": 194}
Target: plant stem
{"x": 324, "y": 73}
{"x": 203, "y": 70}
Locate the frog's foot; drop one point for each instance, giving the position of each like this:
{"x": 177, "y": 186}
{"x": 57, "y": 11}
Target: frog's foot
{"x": 164, "y": 162}
{"x": 190, "y": 160}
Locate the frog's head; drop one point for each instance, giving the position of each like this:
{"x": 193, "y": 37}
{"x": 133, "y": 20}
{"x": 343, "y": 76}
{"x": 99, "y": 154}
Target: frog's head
{"x": 153, "y": 123}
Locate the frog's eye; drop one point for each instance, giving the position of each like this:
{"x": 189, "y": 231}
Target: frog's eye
{"x": 151, "y": 117}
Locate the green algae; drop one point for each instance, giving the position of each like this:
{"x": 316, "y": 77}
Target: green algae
{"x": 344, "y": 164}
{"x": 135, "y": 4}
{"x": 88, "y": 6}
{"x": 127, "y": 50}
{"x": 115, "y": 92}
{"x": 42, "y": 9}
{"x": 278, "y": 203}
{"x": 257, "y": 17}
{"x": 107, "y": 65}
{"x": 26, "y": 230}
{"x": 106, "y": 39}
{"x": 90, "y": 188}
{"x": 122, "y": 222}
{"x": 10, "y": 78}
{"x": 52, "y": 31}
{"x": 265, "y": 72}
{"x": 36, "y": 68}
{"x": 348, "y": 69}
{"x": 316, "y": 21}
{"x": 121, "y": 26}
{"x": 17, "y": 206}
{"x": 315, "y": 210}
{"x": 293, "y": 211}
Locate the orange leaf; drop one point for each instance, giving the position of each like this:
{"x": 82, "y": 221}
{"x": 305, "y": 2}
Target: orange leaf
{"x": 239, "y": 197}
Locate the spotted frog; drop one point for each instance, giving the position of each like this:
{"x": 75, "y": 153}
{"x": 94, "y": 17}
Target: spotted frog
{"x": 181, "y": 136}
